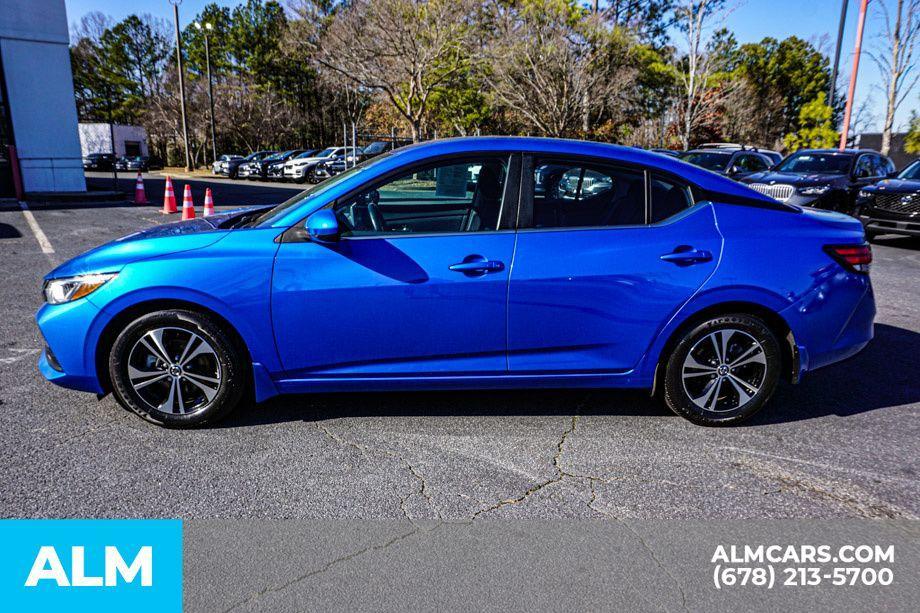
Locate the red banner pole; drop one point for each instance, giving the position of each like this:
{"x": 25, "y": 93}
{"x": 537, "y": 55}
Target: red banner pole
{"x": 14, "y": 167}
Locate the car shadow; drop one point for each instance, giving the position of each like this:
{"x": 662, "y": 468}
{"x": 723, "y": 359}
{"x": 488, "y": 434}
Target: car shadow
{"x": 877, "y": 378}
{"x": 882, "y": 375}
{"x": 8, "y": 231}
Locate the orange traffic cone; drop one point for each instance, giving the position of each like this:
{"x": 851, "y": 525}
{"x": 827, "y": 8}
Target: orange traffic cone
{"x": 208, "y": 202}
{"x": 188, "y": 207}
{"x": 140, "y": 197}
{"x": 169, "y": 199}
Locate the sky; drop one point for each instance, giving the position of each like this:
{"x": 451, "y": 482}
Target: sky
{"x": 751, "y": 20}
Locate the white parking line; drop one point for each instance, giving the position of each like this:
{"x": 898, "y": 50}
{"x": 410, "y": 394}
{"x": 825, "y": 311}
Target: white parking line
{"x": 40, "y": 236}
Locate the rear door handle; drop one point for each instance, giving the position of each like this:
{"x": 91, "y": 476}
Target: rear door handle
{"x": 477, "y": 264}
{"x": 687, "y": 256}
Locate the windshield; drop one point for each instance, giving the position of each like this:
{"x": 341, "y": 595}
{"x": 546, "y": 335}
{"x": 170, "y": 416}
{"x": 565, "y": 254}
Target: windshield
{"x": 267, "y": 217}
{"x": 710, "y": 160}
{"x": 325, "y": 153}
{"x": 911, "y": 173}
{"x": 821, "y": 163}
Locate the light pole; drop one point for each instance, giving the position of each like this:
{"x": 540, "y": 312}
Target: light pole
{"x": 852, "y": 91}
{"x": 832, "y": 90}
{"x": 188, "y": 159}
{"x": 207, "y": 27}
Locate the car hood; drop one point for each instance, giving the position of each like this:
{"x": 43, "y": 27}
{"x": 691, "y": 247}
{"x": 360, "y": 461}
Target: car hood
{"x": 153, "y": 242}
{"x": 306, "y": 161}
{"x": 897, "y": 186}
{"x": 790, "y": 178}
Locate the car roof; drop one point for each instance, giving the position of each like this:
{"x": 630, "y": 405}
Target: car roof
{"x": 837, "y": 151}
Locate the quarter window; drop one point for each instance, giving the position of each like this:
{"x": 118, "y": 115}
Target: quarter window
{"x": 569, "y": 194}
{"x": 668, "y": 198}
{"x": 456, "y": 196}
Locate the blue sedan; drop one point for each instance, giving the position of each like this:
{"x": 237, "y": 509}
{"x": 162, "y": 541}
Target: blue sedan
{"x": 470, "y": 263}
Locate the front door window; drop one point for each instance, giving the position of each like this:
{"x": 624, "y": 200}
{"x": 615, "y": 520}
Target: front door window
{"x": 455, "y": 196}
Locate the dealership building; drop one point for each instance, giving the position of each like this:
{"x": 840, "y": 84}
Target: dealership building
{"x": 38, "y": 114}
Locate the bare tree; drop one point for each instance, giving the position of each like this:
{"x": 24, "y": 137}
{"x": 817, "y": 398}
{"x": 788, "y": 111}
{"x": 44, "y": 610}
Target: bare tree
{"x": 407, "y": 49}
{"x": 545, "y": 67}
{"x": 698, "y": 66}
{"x": 894, "y": 57}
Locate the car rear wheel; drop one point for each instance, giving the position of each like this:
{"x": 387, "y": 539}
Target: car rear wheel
{"x": 723, "y": 370}
{"x": 177, "y": 368}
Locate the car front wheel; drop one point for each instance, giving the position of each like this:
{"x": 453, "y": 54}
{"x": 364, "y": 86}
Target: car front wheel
{"x": 723, "y": 370}
{"x": 177, "y": 368}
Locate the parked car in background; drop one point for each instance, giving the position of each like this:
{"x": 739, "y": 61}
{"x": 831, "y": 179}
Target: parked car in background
{"x": 275, "y": 169}
{"x": 302, "y": 167}
{"x": 892, "y": 206}
{"x": 399, "y": 277}
{"x": 324, "y": 170}
{"x": 822, "y": 178}
{"x": 338, "y": 164}
{"x": 140, "y": 163}
{"x": 99, "y": 161}
{"x": 258, "y": 170}
{"x": 252, "y": 169}
{"x": 233, "y": 166}
{"x": 381, "y": 146}
{"x": 735, "y": 161}
{"x": 222, "y": 165}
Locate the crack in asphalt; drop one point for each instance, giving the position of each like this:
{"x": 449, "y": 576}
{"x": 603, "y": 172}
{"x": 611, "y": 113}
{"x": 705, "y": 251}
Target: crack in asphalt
{"x": 651, "y": 553}
{"x": 327, "y": 566}
{"x": 561, "y": 475}
{"x": 423, "y": 489}
{"x": 852, "y": 498}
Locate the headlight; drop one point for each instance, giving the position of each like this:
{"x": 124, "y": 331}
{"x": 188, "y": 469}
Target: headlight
{"x": 814, "y": 190}
{"x": 67, "y": 289}
{"x": 864, "y": 194}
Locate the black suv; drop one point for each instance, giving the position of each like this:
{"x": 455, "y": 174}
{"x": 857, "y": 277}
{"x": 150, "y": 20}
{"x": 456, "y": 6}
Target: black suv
{"x": 233, "y": 166}
{"x": 99, "y": 161}
{"x": 735, "y": 161}
{"x": 822, "y": 178}
{"x": 892, "y": 206}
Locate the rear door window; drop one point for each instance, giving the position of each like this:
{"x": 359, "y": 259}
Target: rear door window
{"x": 575, "y": 193}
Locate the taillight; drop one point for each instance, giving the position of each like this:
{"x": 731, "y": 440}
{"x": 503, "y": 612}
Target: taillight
{"x": 852, "y": 257}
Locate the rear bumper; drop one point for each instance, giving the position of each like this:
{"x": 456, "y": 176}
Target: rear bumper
{"x": 834, "y": 324}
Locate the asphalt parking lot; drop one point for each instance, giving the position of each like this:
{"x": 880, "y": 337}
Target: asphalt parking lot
{"x": 844, "y": 443}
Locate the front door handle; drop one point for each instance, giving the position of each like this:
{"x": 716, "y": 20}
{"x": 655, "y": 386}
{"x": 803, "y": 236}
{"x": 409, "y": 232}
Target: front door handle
{"x": 687, "y": 256}
{"x": 476, "y": 264}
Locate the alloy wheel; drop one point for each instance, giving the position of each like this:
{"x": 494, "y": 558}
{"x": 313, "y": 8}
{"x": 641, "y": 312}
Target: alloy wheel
{"x": 174, "y": 370}
{"x": 724, "y": 370}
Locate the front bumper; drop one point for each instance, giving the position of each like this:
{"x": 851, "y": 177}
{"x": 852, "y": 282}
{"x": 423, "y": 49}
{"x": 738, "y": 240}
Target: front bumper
{"x": 296, "y": 172}
{"x": 879, "y": 222}
{"x": 70, "y": 331}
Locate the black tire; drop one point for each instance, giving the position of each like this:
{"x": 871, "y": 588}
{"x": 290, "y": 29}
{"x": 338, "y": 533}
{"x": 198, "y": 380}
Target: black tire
{"x": 728, "y": 407}
{"x": 225, "y": 361}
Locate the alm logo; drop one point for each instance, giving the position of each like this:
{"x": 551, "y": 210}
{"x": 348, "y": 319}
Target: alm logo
{"x": 47, "y": 567}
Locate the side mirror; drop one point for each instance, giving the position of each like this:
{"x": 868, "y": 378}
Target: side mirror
{"x": 735, "y": 169}
{"x": 323, "y": 227}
